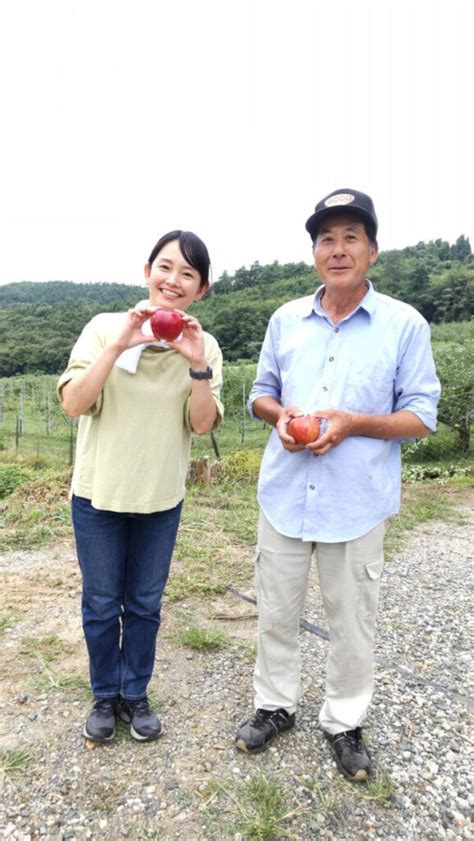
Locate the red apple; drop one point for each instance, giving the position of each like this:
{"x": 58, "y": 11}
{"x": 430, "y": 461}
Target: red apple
{"x": 166, "y": 324}
{"x": 304, "y": 429}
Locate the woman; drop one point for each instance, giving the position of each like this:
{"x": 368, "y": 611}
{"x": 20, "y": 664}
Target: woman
{"x": 138, "y": 405}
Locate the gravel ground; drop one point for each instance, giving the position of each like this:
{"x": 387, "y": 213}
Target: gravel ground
{"x": 188, "y": 784}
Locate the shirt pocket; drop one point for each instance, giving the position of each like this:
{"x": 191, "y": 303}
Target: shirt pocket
{"x": 369, "y": 389}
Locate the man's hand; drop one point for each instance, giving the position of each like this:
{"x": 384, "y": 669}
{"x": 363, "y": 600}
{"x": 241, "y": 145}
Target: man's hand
{"x": 281, "y": 426}
{"x": 339, "y": 427}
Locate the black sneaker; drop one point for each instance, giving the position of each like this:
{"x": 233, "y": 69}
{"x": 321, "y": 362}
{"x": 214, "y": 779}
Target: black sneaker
{"x": 144, "y": 724}
{"x": 350, "y": 754}
{"x": 259, "y": 730}
{"x": 100, "y": 726}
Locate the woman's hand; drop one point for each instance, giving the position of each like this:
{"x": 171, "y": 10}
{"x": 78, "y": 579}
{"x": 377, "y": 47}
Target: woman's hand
{"x": 191, "y": 342}
{"x": 131, "y": 333}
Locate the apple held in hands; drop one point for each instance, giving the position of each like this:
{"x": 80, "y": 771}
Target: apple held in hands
{"x": 166, "y": 324}
{"x": 304, "y": 429}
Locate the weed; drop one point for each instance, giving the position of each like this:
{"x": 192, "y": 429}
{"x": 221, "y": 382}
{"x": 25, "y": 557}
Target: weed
{"x": 419, "y": 504}
{"x": 60, "y": 681}
{"x": 208, "y": 639}
{"x": 45, "y": 648}
{"x": 102, "y": 796}
{"x": 156, "y": 703}
{"x": 248, "y": 651}
{"x": 264, "y": 808}
{"x": 207, "y": 559}
{"x": 7, "y": 621}
{"x": 379, "y": 787}
{"x": 13, "y": 762}
{"x": 37, "y": 512}
{"x": 324, "y": 802}
{"x": 11, "y": 477}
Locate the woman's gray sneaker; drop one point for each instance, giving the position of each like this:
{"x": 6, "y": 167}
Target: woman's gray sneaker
{"x": 144, "y": 724}
{"x": 100, "y": 726}
{"x": 258, "y": 731}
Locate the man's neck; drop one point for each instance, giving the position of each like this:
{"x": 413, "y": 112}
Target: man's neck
{"x": 339, "y": 304}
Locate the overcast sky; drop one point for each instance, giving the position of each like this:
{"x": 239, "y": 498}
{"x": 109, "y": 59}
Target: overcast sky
{"x": 124, "y": 120}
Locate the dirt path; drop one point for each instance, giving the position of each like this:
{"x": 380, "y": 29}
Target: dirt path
{"x": 191, "y": 783}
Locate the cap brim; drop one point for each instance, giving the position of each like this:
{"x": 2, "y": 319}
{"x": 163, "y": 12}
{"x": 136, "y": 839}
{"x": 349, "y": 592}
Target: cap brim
{"x": 315, "y": 220}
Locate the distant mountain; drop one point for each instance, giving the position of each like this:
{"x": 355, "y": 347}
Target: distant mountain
{"x": 39, "y": 322}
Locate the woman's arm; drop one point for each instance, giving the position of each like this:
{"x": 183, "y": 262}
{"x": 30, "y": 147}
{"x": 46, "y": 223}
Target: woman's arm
{"x": 203, "y": 410}
{"x": 82, "y": 391}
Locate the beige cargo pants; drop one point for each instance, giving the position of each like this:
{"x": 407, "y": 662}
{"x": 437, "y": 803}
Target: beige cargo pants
{"x": 349, "y": 578}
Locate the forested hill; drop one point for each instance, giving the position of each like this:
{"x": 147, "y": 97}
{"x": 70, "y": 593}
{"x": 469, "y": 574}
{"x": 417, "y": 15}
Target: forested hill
{"x": 39, "y": 322}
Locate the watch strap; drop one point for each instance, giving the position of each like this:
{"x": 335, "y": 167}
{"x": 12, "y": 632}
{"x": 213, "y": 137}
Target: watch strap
{"x": 201, "y": 375}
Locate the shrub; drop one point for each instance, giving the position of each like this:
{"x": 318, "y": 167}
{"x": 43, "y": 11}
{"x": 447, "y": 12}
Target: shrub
{"x": 242, "y": 466}
{"x": 11, "y": 477}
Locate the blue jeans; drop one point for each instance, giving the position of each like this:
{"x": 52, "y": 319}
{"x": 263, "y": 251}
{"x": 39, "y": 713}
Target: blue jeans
{"x": 125, "y": 561}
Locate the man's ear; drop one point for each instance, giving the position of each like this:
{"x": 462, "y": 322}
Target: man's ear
{"x": 201, "y": 291}
{"x": 374, "y": 253}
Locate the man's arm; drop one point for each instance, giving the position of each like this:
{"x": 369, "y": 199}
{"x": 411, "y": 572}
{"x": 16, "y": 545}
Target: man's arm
{"x": 341, "y": 425}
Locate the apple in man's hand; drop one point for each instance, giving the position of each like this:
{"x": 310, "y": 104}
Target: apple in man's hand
{"x": 166, "y": 324}
{"x": 304, "y": 429}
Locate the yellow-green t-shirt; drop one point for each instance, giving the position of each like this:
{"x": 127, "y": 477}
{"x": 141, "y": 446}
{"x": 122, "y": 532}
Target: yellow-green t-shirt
{"x": 133, "y": 445}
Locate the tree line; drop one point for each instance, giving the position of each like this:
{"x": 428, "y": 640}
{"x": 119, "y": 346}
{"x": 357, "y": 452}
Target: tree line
{"x": 39, "y": 322}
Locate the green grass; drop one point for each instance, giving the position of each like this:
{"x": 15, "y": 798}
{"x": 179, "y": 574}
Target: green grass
{"x": 7, "y": 621}
{"x": 230, "y": 438}
{"x": 54, "y": 582}
{"x": 379, "y": 787}
{"x": 421, "y": 502}
{"x": 50, "y": 679}
{"x": 37, "y": 513}
{"x": 218, "y": 523}
{"x": 14, "y": 762}
{"x": 259, "y": 808}
{"x": 325, "y": 797}
{"x": 46, "y": 648}
{"x": 201, "y": 638}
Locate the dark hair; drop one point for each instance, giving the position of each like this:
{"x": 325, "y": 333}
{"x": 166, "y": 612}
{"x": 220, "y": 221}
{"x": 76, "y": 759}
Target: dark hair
{"x": 368, "y": 225}
{"x": 192, "y": 248}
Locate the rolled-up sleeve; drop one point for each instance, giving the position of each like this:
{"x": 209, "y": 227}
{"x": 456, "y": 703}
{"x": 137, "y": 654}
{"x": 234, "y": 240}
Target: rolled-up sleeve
{"x": 86, "y": 349}
{"x": 417, "y": 387}
{"x": 267, "y": 381}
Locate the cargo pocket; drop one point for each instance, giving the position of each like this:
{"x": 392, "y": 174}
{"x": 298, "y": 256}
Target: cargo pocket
{"x": 369, "y": 594}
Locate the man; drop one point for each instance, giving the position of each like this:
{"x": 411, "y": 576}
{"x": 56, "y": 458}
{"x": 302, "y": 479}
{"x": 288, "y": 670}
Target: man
{"x": 362, "y": 363}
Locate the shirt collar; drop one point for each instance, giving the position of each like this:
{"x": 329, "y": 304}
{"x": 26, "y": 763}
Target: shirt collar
{"x": 314, "y": 304}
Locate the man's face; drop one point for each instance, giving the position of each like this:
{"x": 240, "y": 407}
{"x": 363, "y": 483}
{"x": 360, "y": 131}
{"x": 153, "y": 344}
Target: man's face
{"x": 343, "y": 253}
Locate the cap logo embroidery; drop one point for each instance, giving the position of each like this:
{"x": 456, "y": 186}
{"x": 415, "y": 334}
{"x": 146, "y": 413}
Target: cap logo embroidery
{"x": 341, "y": 198}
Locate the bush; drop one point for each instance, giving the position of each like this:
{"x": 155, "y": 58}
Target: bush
{"x": 242, "y": 466}
{"x": 11, "y": 477}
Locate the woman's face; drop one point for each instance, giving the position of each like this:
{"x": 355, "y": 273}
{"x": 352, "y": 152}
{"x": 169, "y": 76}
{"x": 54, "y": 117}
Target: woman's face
{"x": 172, "y": 283}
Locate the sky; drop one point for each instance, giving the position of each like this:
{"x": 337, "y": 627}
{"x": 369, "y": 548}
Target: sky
{"x": 122, "y": 121}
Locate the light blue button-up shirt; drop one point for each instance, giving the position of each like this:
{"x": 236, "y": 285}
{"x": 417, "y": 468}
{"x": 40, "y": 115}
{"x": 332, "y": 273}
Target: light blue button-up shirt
{"x": 378, "y": 360}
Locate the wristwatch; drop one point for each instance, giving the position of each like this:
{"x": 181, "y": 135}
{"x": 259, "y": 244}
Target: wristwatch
{"x": 201, "y": 375}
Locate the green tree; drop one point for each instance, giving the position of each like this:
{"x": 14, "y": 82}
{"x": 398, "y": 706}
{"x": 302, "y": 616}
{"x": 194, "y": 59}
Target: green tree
{"x": 461, "y": 249}
{"x": 455, "y": 366}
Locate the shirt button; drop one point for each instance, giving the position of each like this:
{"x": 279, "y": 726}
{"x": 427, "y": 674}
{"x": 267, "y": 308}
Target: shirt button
{"x": 331, "y": 358}
{"x": 325, "y": 388}
{"x": 312, "y": 487}
{"x": 336, "y": 329}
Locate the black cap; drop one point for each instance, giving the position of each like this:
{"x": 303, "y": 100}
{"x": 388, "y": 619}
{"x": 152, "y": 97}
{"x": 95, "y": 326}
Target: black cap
{"x": 344, "y": 200}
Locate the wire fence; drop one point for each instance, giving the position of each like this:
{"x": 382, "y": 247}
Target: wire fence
{"x": 34, "y": 426}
